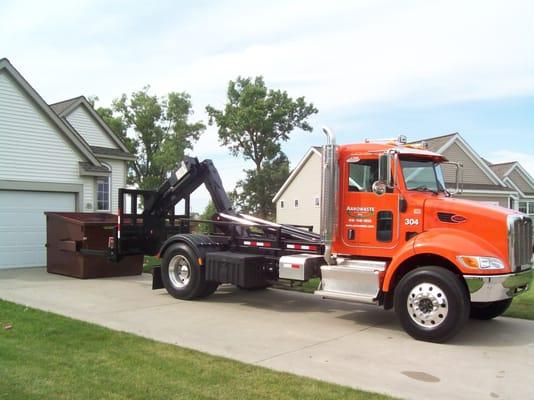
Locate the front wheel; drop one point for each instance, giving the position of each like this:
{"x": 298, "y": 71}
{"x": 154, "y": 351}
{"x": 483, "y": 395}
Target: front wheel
{"x": 486, "y": 311}
{"x": 431, "y": 303}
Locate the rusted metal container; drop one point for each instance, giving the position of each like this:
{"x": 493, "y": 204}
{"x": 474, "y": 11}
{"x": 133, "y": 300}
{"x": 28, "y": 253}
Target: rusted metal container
{"x": 76, "y": 245}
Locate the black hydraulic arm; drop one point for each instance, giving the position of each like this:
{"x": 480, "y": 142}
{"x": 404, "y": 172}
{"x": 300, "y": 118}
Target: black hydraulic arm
{"x": 184, "y": 181}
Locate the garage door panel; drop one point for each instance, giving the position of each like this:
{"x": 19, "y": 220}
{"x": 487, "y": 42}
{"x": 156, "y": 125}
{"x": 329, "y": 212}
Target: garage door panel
{"x": 23, "y": 225}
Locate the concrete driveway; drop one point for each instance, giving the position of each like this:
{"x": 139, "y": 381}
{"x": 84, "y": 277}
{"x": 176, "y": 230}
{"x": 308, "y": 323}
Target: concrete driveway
{"x": 354, "y": 345}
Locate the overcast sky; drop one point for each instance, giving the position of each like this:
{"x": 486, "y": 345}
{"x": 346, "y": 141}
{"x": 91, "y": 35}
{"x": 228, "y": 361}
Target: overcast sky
{"x": 373, "y": 68}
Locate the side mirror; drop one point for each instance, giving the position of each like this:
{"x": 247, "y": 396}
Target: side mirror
{"x": 384, "y": 169}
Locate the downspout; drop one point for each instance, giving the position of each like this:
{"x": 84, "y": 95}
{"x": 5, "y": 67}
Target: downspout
{"x": 329, "y": 189}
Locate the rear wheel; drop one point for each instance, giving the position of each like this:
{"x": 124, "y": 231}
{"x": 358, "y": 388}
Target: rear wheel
{"x": 485, "y": 311}
{"x": 432, "y": 304}
{"x": 182, "y": 276}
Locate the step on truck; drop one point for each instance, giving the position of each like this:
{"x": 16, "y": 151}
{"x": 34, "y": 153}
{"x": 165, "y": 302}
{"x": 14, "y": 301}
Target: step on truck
{"x": 391, "y": 235}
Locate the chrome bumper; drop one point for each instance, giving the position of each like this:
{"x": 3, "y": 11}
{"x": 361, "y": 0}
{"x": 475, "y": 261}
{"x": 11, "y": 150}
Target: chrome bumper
{"x": 484, "y": 288}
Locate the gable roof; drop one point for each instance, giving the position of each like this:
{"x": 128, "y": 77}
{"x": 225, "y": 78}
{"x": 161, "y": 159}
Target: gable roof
{"x": 312, "y": 151}
{"x": 70, "y": 133}
{"x": 506, "y": 169}
{"x": 502, "y": 169}
{"x": 439, "y": 144}
{"x": 112, "y": 153}
{"x": 65, "y": 107}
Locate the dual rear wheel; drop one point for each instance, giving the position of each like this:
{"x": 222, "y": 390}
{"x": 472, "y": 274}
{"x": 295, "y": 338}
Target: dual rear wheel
{"x": 182, "y": 276}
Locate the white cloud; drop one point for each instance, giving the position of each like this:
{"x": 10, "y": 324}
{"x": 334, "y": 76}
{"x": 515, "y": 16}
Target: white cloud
{"x": 342, "y": 55}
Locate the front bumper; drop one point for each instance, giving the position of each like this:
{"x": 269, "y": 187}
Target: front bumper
{"x": 484, "y": 288}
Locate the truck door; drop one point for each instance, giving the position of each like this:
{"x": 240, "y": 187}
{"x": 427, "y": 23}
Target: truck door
{"x": 366, "y": 219}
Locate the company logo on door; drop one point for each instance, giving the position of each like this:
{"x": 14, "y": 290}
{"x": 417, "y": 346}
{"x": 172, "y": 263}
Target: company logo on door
{"x": 360, "y": 212}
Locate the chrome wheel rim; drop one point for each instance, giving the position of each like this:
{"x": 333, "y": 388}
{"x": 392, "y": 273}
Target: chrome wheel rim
{"x": 427, "y": 305}
{"x": 179, "y": 271}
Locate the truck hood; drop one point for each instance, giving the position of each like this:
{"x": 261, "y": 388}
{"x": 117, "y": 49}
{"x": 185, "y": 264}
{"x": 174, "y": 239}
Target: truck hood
{"x": 488, "y": 223}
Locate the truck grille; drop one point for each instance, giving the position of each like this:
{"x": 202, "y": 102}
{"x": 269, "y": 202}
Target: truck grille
{"x": 519, "y": 241}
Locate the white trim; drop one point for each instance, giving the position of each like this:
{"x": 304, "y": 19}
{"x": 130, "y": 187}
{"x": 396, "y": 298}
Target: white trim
{"x": 294, "y": 173}
{"x": 521, "y": 172}
{"x": 82, "y": 101}
{"x": 110, "y": 206}
{"x": 522, "y": 195}
{"x": 510, "y": 169}
{"x": 486, "y": 192}
{"x": 473, "y": 155}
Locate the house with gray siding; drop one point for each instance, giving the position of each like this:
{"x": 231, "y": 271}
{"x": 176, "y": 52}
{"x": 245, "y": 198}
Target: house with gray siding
{"x": 298, "y": 200}
{"x": 519, "y": 180}
{"x": 59, "y": 157}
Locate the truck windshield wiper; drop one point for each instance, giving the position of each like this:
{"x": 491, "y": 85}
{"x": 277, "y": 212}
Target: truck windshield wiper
{"x": 424, "y": 188}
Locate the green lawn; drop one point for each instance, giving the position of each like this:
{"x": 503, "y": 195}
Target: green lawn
{"x": 47, "y": 356}
{"x": 150, "y": 262}
{"x": 522, "y": 306}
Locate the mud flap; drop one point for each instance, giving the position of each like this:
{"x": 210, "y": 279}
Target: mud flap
{"x": 157, "y": 283}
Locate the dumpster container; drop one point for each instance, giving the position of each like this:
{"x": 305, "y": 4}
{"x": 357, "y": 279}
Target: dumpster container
{"x": 76, "y": 245}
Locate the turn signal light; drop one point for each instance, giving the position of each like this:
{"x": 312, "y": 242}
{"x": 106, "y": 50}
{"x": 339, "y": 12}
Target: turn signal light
{"x": 481, "y": 262}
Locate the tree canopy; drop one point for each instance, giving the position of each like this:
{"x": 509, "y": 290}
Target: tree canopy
{"x": 156, "y": 129}
{"x": 254, "y": 123}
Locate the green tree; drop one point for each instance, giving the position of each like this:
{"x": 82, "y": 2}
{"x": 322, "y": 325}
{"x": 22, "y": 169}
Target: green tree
{"x": 254, "y": 194}
{"x": 254, "y": 123}
{"x": 156, "y": 129}
{"x": 207, "y": 214}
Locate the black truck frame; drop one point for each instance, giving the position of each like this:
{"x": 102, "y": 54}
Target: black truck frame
{"x": 239, "y": 249}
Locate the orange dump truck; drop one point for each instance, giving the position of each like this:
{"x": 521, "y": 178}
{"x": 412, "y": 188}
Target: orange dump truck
{"x": 391, "y": 235}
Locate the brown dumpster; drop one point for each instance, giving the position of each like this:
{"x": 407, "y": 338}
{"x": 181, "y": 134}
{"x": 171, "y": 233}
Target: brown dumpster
{"x": 70, "y": 236}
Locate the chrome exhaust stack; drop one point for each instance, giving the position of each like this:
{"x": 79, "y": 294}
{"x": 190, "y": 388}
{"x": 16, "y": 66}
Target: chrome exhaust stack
{"x": 329, "y": 190}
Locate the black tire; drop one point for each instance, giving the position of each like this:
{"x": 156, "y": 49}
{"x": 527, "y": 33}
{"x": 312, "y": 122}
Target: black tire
{"x": 210, "y": 288}
{"x": 486, "y": 311}
{"x": 184, "y": 286}
{"x": 432, "y": 304}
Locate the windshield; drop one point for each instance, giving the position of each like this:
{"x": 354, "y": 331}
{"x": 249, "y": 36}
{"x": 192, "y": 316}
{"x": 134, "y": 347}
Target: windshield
{"x": 422, "y": 175}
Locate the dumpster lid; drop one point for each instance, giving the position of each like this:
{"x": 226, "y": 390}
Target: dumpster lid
{"x": 84, "y": 218}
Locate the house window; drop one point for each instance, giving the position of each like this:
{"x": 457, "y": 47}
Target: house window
{"x": 282, "y": 204}
{"x": 316, "y": 201}
{"x": 523, "y": 207}
{"x": 296, "y": 203}
{"x": 531, "y": 207}
{"x": 103, "y": 193}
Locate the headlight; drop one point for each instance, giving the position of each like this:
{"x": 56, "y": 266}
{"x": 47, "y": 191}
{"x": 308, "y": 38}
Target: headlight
{"x": 481, "y": 262}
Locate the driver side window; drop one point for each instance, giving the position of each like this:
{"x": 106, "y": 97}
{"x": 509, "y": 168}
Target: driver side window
{"x": 362, "y": 175}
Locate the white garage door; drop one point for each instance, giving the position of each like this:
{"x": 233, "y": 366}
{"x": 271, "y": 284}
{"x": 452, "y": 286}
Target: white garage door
{"x": 23, "y": 225}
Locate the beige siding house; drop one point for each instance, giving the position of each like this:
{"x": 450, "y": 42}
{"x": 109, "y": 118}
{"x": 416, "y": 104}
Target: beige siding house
{"x": 49, "y": 162}
{"x": 298, "y": 200}
{"x": 506, "y": 185}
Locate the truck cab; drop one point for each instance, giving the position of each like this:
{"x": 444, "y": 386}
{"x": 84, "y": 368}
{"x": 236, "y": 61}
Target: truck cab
{"x": 395, "y": 236}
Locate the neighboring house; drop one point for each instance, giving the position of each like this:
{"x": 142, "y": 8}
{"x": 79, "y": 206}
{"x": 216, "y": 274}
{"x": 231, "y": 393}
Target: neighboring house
{"x": 480, "y": 182}
{"x": 52, "y": 158}
{"x": 518, "y": 179}
{"x": 297, "y": 201}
